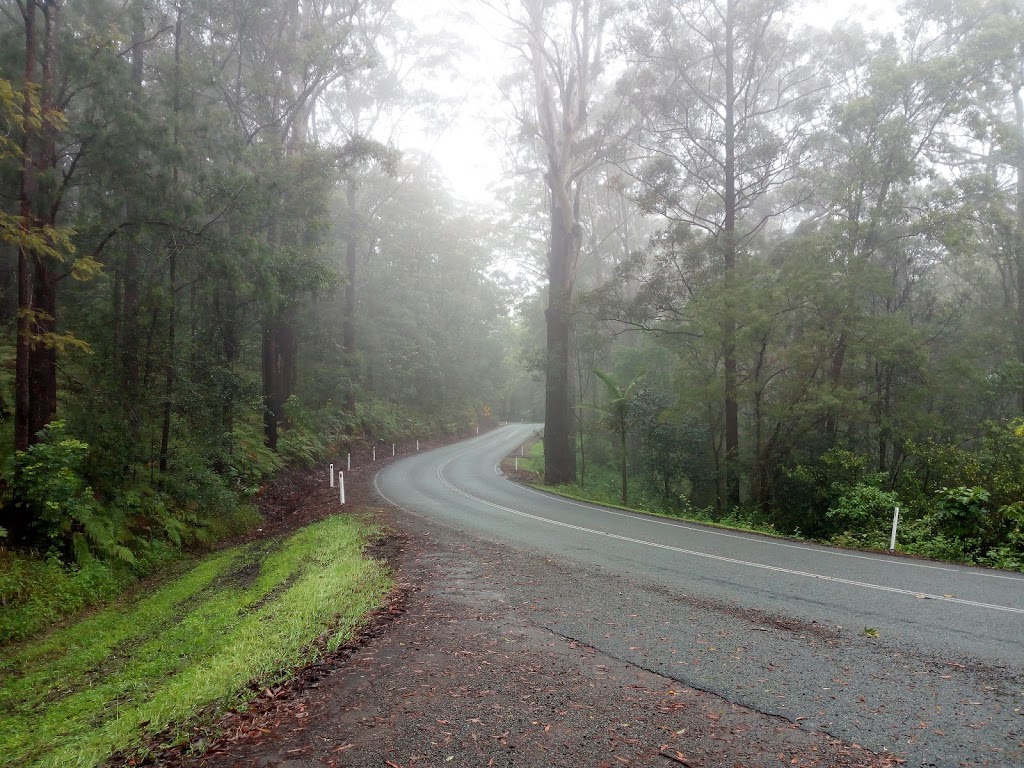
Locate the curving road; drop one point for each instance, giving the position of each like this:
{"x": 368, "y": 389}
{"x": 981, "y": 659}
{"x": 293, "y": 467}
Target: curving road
{"x": 774, "y": 625}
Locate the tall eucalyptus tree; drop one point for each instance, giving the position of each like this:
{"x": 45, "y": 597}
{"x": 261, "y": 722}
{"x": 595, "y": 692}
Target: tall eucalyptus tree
{"x": 725, "y": 96}
{"x": 563, "y": 45}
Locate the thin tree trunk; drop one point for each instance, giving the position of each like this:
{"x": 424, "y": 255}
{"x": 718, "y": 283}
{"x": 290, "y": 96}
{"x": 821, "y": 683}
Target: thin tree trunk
{"x": 732, "y": 423}
{"x": 43, "y": 371}
{"x": 271, "y": 397}
{"x": 1018, "y": 103}
{"x": 131, "y": 281}
{"x": 27, "y": 195}
{"x": 172, "y": 266}
{"x": 25, "y": 283}
{"x": 835, "y": 379}
{"x": 559, "y": 453}
{"x": 349, "y": 322}
{"x": 42, "y": 359}
{"x": 624, "y": 466}
{"x": 169, "y": 371}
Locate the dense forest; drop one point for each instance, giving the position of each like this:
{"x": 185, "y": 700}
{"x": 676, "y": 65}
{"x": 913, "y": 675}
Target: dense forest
{"x": 215, "y": 263}
{"x": 794, "y": 262}
{"x": 769, "y": 272}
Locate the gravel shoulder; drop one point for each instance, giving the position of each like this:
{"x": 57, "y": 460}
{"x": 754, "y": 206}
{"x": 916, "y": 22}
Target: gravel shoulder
{"x": 469, "y": 665}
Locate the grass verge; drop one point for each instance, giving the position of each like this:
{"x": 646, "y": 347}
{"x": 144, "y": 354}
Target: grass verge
{"x": 244, "y": 615}
{"x": 531, "y": 472}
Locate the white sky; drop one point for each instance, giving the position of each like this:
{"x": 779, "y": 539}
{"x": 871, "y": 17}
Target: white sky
{"x": 468, "y": 151}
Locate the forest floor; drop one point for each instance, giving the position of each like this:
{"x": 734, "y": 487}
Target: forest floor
{"x": 457, "y": 670}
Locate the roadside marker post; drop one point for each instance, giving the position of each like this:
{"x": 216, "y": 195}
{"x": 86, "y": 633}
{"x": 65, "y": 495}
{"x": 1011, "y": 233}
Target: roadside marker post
{"x": 331, "y": 475}
{"x": 349, "y": 467}
{"x": 517, "y": 463}
{"x": 341, "y": 487}
{"x": 895, "y": 522}
{"x": 392, "y": 450}
{"x": 417, "y": 446}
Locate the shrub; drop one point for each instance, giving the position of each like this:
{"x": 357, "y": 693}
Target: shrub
{"x": 919, "y": 537}
{"x": 808, "y": 491}
{"x": 961, "y": 513}
{"x": 249, "y": 461}
{"x": 35, "y": 592}
{"x": 47, "y": 485}
{"x": 863, "y": 509}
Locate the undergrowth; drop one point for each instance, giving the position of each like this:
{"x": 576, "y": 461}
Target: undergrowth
{"x": 241, "y": 616}
{"x": 951, "y": 528}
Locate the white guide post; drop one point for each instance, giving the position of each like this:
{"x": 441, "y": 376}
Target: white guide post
{"x": 392, "y": 450}
{"x": 375, "y": 453}
{"x": 895, "y": 522}
{"x": 349, "y": 466}
{"x": 341, "y": 487}
{"x": 330, "y": 475}
{"x": 417, "y": 446}
{"x": 517, "y": 463}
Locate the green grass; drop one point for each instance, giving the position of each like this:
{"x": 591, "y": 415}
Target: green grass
{"x": 603, "y": 488}
{"x": 247, "y": 614}
{"x": 36, "y": 591}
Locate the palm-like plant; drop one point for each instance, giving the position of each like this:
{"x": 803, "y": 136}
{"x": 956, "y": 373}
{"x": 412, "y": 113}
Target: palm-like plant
{"x": 616, "y": 417}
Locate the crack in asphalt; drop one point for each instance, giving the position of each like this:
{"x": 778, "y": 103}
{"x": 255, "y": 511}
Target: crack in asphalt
{"x": 724, "y": 695}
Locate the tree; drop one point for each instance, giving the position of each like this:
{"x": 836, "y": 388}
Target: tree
{"x": 562, "y": 42}
{"x": 618, "y": 418}
{"x": 724, "y": 95}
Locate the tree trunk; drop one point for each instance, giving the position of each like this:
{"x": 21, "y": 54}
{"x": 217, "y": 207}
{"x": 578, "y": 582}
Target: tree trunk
{"x": 732, "y": 422}
{"x": 624, "y": 465}
{"x": 169, "y": 371}
{"x": 36, "y": 358}
{"x": 349, "y": 323}
{"x": 272, "y": 401}
{"x": 172, "y": 268}
{"x": 131, "y": 279}
{"x": 835, "y": 379}
{"x": 27, "y": 195}
{"x": 559, "y": 453}
{"x": 280, "y": 345}
{"x": 1018, "y": 104}
{"x": 43, "y": 367}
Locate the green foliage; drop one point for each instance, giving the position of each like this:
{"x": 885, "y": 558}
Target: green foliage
{"x": 189, "y": 647}
{"x": 617, "y": 416}
{"x": 673, "y": 449}
{"x": 962, "y": 513}
{"x": 250, "y": 462}
{"x": 303, "y": 442}
{"x": 809, "y": 491}
{"x": 48, "y": 488}
{"x": 35, "y": 591}
{"x": 863, "y": 509}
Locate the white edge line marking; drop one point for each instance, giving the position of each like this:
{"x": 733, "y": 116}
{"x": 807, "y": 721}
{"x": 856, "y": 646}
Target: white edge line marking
{"x": 718, "y": 558}
{"x": 754, "y": 536}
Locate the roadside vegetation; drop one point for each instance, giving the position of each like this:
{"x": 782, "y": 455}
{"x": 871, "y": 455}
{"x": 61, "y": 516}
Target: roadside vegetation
{"x": 955, "y": 505}
{"x": 237, "y": 619}
{"x": 196, "y": 292}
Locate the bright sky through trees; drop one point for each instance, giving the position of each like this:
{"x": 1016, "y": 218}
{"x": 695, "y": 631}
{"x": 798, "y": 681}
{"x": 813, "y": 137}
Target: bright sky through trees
{"x": 469, "y": 150}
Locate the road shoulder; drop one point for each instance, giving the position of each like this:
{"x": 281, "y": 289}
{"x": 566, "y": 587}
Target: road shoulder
{"x": 459, "y": 671}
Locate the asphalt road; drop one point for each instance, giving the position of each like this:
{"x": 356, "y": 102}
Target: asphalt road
{"x": 777, "y": 626}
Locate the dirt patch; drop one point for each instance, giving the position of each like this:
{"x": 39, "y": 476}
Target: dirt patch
{"x": 450, "y": 672}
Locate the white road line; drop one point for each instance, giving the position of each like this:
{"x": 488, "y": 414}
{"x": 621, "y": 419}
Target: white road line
{"x": 760, "y": 539}
{"x": 718, "y": 558}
